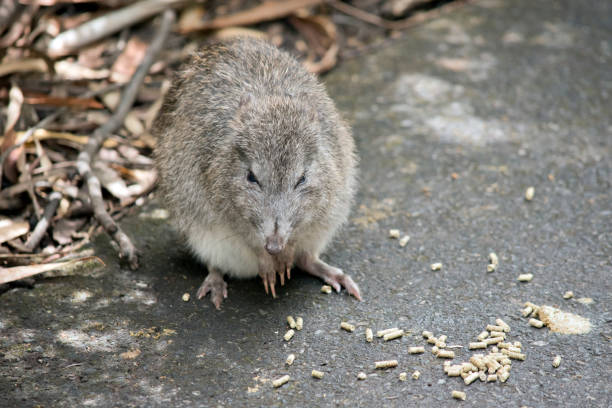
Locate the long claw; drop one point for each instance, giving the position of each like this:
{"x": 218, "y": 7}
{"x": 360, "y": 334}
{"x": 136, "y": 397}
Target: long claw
{"x": 282, "y": 278}
{"x": 265, "y": 280}
{"x": 272, "y": 288}
{"x": 288, "y": 272}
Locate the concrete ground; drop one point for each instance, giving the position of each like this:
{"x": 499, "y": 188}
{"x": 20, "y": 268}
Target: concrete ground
{"x": 453, "y": 123}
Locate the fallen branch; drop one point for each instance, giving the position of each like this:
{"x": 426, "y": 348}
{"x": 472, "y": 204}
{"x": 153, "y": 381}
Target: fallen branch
{"x": 126, "y": 248}
{"x": 105, "y": 25}
{"x": 43, "y": 224}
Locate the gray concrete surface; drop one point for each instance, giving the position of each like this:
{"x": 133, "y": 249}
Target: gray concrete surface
{"x": 502, "y": 93}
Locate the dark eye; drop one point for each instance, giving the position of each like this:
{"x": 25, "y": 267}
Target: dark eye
{"x": 251, "y": 178}
{"x": 301, "y": 181}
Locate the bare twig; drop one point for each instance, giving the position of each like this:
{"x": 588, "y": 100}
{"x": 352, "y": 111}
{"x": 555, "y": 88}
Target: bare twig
{"x": 126, "y": 248}
{"x": 266, "y": 11}
{"x": 390, "y": 24}
{"x": 44, "y": 222}
{"x": 107, "y": 24}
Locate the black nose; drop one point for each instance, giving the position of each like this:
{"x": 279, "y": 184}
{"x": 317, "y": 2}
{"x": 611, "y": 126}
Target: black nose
{"x": 274, "y": 244}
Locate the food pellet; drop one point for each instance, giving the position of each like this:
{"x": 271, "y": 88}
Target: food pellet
{"x": 568, "y": 295}
{"x": 326, "y": 289}
{"x": 186, "y": 297}
{"x": 525, "y": 277}
{"x": 393, "y": 335}
{"x": 434, "y": 350}
{"x": 416, "y": 375}
{"x": 394, "y": 233}
{"x": 404, "y": 240}
{"x": 556, "y": 361}
{"x": 290, "y": 359}
{"x": 498, "y": 334}
{"x": 442, "y": 338}
{"x": 291, "y": 322}
{"x": 317, "y": 374}
{"x": 536, "y": 323}
{"x": 432, "y": 340}
{"x": 529, "y": 193}
{"x": 514, "y": 355}
{"x": 471, "y": 378}
{"x": 403, "y": 376}
{"x": 503, "y": 375}
{"x": 492, "y": 378}
{"x": 436, "y": 266}
{"x": 527, "y": 311}
{"x": 460, "y": 395}
{"x": 445, "y": 354}
{"x": 369, "y": 335}
{"x": 454, "y": 371}
{"x": 381, "y": 333}
{"x": 492, "y": 327}
{"x": 493, "y": 262}
{"x": 416, "y": 350}
{"x": 385, "y": 364}
{"x": 299, "y": 323}
{"x": 289, "y": 334}
{"x": 503, "y": 325}
{"x": 483, "y": 335}
{"x": 427, "y": 334}
{"x": 514, "y": 349}
{"x": 482, "y": 376}
{"x": 440, "y": 344}
{"x": 477, "y": 361}
{"x": 347, "y": 326}
{"x": 491, "y": 268}
{"x": 280, "y": 381}
{"x": 477, "y": 345}
{"x": 361, "y": 376}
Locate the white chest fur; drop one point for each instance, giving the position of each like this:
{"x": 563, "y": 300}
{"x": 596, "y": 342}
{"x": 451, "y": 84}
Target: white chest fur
{"x": 223, "y": 249}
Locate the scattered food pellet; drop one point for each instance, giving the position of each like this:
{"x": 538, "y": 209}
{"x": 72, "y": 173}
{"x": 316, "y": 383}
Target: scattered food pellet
{"x": 394, "y": 233}
{"x": 492, "y": 378}
{"x": 416, "y": 375}
{"x": 536, "y": 323}
{"x": 393, "y": 335}
{"x": 477, "y": 345}
{"x": 493, "y": 262}
{"x": 568, "y": 295}
{"x": 369, "y": 335}
{"x": 291, "y": 322}
{"x": 471, "y": 378}
{"x": 381, "y": 333}
{"x": 503, "y": 375}
{"x": 280, "y": 381}
{"x": 385, "y": 364}
{"x": 436, "y": 266}
{"x": 585, "y": 300}
{"x": 529, "y": 193}
{"x": 186, "y": 297}
{"x": 404, "y": 240}
{"x": 289, "y": 334}
{"x": 326, "y": 289}
{"x": 483, "y": 335}
{"x": 361, "y": 376}
{"x": 492, "y": 327}
{"x": 514, "y": 355}
{"x": 427, "y": 334}
{"x": 403, "y": 376}
{"x": 556, "y": 361}
{"x": 317, "y": 374}
{"x": 503, "y": 325}
{"x": 347, "y": 326}
{"x": 460, "y": 395}
{"x": 416, "y": 350}
{"x": 432, "y": 340}
{"x": 290, "y": 359}
{"x": 525, "y": 277}
{"x": 527, "y": 311}
{"x": 299, "y": 323}
{"x": 445, "y": 354}
{"x": 454, "y": 370}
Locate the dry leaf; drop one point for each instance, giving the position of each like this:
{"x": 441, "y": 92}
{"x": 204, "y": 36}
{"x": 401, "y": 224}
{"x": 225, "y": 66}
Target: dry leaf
{"x": 20, "y": 272}
{"x": 11, "y": 229}
{"x": 64, "y": 229}
{"x": 126, "y": 63}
